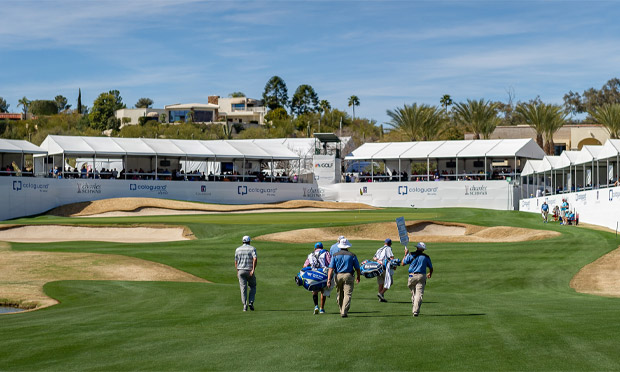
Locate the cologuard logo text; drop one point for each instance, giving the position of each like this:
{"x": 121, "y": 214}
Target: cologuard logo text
{"x": 85, "y": 188}
{"x": 158, "y": 189}
{"x": 19, "y": 186}
{"x": 244, "y": 190}
{"x": 475, "y": 190}
{"x": 404, "y": 190}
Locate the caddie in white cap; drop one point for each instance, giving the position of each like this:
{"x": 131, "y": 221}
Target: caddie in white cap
{"x": 245, "y": 263}
{"x": 418, "y": 262}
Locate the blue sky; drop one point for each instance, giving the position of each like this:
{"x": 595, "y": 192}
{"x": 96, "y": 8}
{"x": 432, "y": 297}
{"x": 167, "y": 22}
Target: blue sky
{"x": 388, "y": 53}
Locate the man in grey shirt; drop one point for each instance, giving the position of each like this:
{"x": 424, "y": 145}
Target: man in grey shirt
{"x": 245, "y": 263}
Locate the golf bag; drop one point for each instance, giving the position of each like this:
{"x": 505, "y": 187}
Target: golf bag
{"x": 312, "y": 280}
{"x": 371, "y": 269}
{"x": 393, "y": 264}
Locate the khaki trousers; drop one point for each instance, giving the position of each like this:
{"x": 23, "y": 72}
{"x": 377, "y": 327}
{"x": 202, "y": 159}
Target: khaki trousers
{"x": 344, "y": 284}
{"x": 416, "y": 284}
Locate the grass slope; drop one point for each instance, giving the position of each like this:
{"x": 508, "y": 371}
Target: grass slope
{"x": 488, "y": 307}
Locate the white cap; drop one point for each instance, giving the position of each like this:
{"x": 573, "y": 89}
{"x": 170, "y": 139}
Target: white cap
{"x": 246, "y": 239}
{"x": 344, "y": 243}
{"x": 420, "y": 245}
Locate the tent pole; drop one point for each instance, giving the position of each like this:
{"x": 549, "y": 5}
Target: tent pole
{"x": 457, "y": 169}
{"x": 485, "y": 170}
{"x": 428, "y": 169}
{"x": 156, "y": 177}
{"x": 62, "y": 170}
{"x": 399, "y": 172}
{"x": 243, "y": 168}
{"x": 607, "y": 174}
{"x": 372, "y": 170}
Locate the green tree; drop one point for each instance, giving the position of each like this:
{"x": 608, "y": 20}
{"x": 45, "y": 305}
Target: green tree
{"x": 575, "y": 103}
{"x": 61, "y": 103}
{"x": 546, "y": 119}
{"x": 4, "y": 107}
{"x": 275, "y": 94}
{"x": 43, "y": 107}
{"x": 25, "y": 104}
{"x": 324, "y": 105}
{"x": 418, "y": 122}
{"x": 277, "y": 114}
{"x": 446, "y": 101}
{"x": 104, "y": 107}
{"x": 236, "y": 95}
{"x": 79, "y": 102}
{"x": 304, "y": 100}
{"x": 479, "y": 116}
{"x": 608, "y": 115}
{"x": 354, "y": 101}
{"x": 144, "y": 103}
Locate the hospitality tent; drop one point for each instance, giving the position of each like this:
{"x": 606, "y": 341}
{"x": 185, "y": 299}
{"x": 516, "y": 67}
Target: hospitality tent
{"x": 13, "y": 153}
{"x": 163, "y": 155}
{"x": 463, "y": 158}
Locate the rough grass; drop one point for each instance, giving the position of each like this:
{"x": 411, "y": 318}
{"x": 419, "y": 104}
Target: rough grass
{"x": 489, "y": 306}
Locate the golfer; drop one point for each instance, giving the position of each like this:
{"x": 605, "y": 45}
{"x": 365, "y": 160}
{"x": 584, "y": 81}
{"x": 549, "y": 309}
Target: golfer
{"x": 343, "y": 263}
{"x": 418, "y": 262}
{"x": 318, "y": 260}
{"x": 544, "y": 211}
{"x": 245, "y": 263}
{"x": 384, "y": 253}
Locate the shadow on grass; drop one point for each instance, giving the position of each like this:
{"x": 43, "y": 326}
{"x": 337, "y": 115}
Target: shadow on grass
{"x": 454, "y": 315}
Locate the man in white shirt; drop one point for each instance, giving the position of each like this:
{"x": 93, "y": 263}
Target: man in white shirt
{"x": 384, "y": 253}
{"x": 245, "y": 263}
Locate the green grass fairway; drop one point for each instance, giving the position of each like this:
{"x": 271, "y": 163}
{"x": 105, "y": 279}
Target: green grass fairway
{"x": 493, "y": 306}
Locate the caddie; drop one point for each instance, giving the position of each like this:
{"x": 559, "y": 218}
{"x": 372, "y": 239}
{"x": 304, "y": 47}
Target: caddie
{"x": 343, "y": 264}
{"x": 245, "y": 263}
{"x": 418, "y": 262}
{"x": 384, "y": 253}
{"x": 319, "y": 259}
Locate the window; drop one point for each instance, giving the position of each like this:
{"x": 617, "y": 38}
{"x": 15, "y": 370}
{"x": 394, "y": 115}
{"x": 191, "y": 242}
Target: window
{"x": 238, "y": 106}
{"x": 177, "y": 115}
{"x": 558, "y": 148}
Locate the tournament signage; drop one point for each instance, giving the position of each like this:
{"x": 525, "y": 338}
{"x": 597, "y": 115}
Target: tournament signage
{"x": 402, "y": 231}
{"x": 324, "y": 167}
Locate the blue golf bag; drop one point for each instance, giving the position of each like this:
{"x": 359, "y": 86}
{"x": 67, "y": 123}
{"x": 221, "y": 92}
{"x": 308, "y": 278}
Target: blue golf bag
{"x": 312, "y": 280}
{"x": 371, "y": 269}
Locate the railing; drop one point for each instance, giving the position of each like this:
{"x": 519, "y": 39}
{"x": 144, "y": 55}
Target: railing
{"x": 249, "y": 109}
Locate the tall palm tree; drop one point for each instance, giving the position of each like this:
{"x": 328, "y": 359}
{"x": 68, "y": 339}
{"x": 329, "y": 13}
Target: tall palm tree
{"x": 25, "y": 103}
{"x": 479, "y": 116}
{"x": 446, "y": 101}
{"x": 418, "y": 122}
{"x": 354, "y": 101}
{"x": 545, "y": 118}
{"x": 609, "y": 116}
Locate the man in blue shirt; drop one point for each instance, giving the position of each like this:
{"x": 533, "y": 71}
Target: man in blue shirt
{"x": 418, "y": 263}
{"x": 544, "y": 211}
{"x": 343, "y": 263}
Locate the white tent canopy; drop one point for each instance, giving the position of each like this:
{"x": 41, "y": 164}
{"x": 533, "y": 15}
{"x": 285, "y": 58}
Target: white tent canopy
{"x": 120, "y": 147}
{"x": 508, "y": 148}
{"x": 19, "y": 146}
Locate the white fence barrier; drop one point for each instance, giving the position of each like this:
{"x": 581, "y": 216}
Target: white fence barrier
{"x": 24, "y": 196}
{"x": 598, "y": 207}
{"x": 474, "y": 194}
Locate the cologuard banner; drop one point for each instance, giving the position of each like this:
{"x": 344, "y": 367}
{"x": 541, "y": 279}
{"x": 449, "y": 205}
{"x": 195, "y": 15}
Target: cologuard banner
{"x": 599, "y": 207}
{"x": 473, "y": 194}
{"x": 24, "y": 196}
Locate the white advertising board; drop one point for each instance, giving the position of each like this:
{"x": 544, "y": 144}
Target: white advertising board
{"x": 474, "y": 194}
{"x": 598, "y": 207}
{"x": 25, "y": 196}
{"x": 324, "y": 167}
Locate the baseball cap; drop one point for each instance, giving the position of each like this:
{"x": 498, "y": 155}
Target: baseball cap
{"x": 344, "y": 243}
{"x": 318, "y": 245}
{"x": 420, "y": 245}
{"x": 246, "y": 239}
{"x": 388, "y": 241}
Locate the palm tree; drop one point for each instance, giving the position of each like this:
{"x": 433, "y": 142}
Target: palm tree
{"x": 446, "y": 101}
{"x": 354, "y": 101}
{"x": 546, "y": 119}
{"x": 480, "y": 116}
{"x": 25, "y": 103}
{"x": 418, "y": 123}
{"x": 609, "y": 116}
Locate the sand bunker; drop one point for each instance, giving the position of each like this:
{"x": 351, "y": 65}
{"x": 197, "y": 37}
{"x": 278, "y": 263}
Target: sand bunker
{"x": 23, "y": 274}
{"x": 62, "y": 233}
{"x": 601, "y": 277}
{"x": 428, "y": 231}
{"x": 151, "y": 206}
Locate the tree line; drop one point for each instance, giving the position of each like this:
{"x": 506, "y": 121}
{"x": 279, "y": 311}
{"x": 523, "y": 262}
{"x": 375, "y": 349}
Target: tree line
{"x": 305, "y": 113}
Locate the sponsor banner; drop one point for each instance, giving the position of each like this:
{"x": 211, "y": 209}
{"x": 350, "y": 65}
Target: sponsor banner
{"x": 474, "y": 194}
{"x": 597, "y": 207}
{"x": 324, "y": 167}
{"x": 29, "y": 196}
